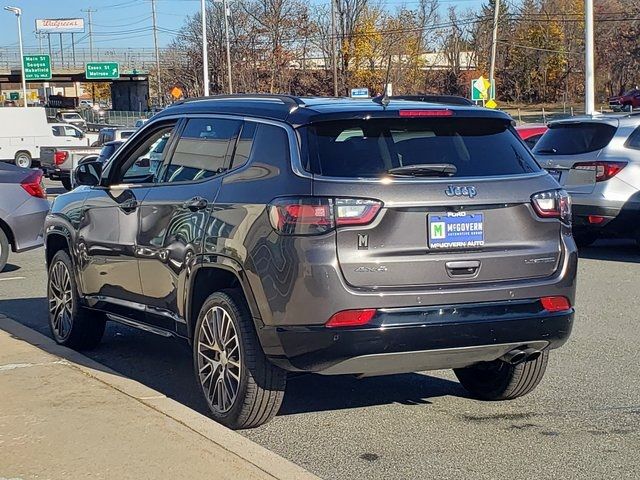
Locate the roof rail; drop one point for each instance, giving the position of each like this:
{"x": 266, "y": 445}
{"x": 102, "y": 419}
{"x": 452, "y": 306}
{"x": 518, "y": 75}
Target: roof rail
{"x": 291, "y": 100}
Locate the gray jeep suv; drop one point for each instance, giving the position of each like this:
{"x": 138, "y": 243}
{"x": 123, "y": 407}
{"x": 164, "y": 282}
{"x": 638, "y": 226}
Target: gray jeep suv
{"x": 335, "y": 236}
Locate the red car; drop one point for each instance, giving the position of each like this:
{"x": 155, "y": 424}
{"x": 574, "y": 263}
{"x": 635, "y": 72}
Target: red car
{"x": 627, "y": 101}
{"x": 531, "y": 133}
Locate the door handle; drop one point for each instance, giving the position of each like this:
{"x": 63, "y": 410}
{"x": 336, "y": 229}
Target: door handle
{"x": 129, "y": 205}
{"x": 196, "y": 203}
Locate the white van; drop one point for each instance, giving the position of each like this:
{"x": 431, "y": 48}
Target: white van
{"x": 24, "y": 130}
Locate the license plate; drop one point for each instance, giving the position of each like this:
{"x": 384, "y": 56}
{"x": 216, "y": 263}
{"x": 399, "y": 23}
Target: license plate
{"x": 556, "y": 174}
{"x": 456, "y": 230}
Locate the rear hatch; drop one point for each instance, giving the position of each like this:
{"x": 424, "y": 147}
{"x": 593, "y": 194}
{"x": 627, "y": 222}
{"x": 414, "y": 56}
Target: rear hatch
{"x": 455, "y": 209}
{"x": 571, "y": 149}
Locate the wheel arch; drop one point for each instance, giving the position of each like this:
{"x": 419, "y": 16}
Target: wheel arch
{"x": 57, "y": 238}
{"x": 210, "y": 276}
{"x": 9, "y": 233}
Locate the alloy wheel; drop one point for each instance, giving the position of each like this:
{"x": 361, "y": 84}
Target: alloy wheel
{"x": 219, "y": 363}
{"x": 60, "y": 300}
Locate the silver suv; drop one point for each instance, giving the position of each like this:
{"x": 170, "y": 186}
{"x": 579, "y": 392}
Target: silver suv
{"x": 597, "y": 160}
{"x": 281, "y": 234}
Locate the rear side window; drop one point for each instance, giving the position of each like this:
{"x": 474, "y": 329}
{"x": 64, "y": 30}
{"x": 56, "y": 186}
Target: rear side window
{"x": 125, "y": 135}
{"x": 634, "y": 140}
{"x": 203, "y": 149}
{"x": 470, "y": 147}
{"x": 574, "y": 138}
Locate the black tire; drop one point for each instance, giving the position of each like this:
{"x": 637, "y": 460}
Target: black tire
{"x": 4, "y": 250}
{"x": 84, "y": 328}
{"x": 261, "y": 385}
{"x": 585, "y": 239}
{"x": 23, "y": 160}
{"x": 499, "y": 380}
{"x": 66, "y": 183}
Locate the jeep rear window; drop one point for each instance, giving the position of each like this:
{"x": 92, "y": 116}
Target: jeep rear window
{"x": 477, "y": 147}
{"x": 574, "y": 138}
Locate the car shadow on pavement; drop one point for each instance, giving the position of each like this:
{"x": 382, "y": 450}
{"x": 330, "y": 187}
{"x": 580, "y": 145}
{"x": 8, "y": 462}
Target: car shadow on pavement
{"x": 613, "y": 251}
{"x": 9, "y": 267}
{"x": 165, "y": 365}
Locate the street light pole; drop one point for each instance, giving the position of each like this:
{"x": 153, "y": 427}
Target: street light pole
{"x": 18, "y": 12}
{"x": 205, "y": 49}
{"x": 589, "y": 87}
{"x": 334, "y": 56}
{"x": 226, "y": 34}
{"x": 494, "y": 47}
{"x": 157, "y": 51}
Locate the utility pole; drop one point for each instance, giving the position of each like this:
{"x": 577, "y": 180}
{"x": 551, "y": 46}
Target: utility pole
{"x": 334, "y": 56}
{"x": 155, "y": 46}
{"x": 494, "y": 47}
{"x": 205, "y": 48}
{"x": 226, "y": 34}
{"x": 89, "y": 11}
{"x": 589, "y": 87}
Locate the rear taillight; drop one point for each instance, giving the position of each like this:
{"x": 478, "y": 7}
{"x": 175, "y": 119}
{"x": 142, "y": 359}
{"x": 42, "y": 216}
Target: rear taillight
{"x": 603, "y": 170}
{"x": 553, "y": 204}
{"x": 351, "y": 318}
{"x": 318, "y": 215}
{"x": 555, "y": 304}
{"x": 60, "y": 157}
{"x": 32, "y": 184}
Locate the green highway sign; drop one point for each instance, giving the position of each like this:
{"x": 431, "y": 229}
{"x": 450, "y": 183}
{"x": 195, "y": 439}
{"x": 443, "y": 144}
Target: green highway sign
{"x": 36, "y": 67}
{"x": 102, "y": 71}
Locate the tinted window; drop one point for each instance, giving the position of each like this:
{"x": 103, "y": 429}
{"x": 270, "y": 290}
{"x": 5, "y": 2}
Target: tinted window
{"x": 57, "y": 131}
{"x": 125, "y": 135}
{"x": 634, "y": 140}
{"x": 531, "y": 141}
{"x": 107, "y": 151}
{"x": 369, "y": 148}
{"x": 203, "y": 149}
{"x": 574, "y": 138}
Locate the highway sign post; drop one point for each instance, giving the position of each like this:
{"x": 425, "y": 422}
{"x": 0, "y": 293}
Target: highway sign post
{"x": 483, "y": 91}
{"x": 36, "y": 67}
{"x": 102, "y": 70}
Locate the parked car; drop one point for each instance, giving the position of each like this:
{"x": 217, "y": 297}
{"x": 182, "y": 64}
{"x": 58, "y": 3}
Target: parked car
{"x": 72, "y": 117}
{"x": 113, "y": 134}
{"x": 23, "y": 207}
{"x": 68, "y": 133}
{"x": 597, "y": 160}
{"x": 531, "y": 133}
{"x": 24, "y": 131}
{"x": 627, "y": 101}
{"x": 314, "y": 235}
{"x": 58, "y": 163}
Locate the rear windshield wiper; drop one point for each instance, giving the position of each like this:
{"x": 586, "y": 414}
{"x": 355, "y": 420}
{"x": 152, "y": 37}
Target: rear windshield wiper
{"x": 547, "y": 150}
{"x": 425, "y": 170}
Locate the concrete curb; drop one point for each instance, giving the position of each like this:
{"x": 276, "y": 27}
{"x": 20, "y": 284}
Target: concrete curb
{"x": 263, "y": 459}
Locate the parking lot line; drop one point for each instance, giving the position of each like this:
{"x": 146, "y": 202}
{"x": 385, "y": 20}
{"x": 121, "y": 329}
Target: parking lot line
{"x": 11, "y": 278}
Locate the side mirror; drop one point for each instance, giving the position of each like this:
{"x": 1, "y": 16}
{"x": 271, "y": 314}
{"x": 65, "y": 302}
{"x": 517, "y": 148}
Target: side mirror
{"x": 88, "y": 173}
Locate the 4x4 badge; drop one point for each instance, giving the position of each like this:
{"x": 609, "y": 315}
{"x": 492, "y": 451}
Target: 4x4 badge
{"x": 461, "y": 191}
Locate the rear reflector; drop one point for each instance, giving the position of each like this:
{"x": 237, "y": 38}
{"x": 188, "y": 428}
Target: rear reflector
{"x": 603, "y": 170}
{"x": 351, "y": 318}
{"x": 32, "y": 184}
{"x": 595, "y": 219}
{"x": 426, "y": 113}
{"x": 555, "y": 304}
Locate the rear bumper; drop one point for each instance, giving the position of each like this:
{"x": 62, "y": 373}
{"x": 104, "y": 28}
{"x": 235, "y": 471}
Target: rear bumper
{"x": 55, "y": 173}
{"x": 27, "y": 224}
{"x": 414, "y": 339}
{"x": 616, "y": 219}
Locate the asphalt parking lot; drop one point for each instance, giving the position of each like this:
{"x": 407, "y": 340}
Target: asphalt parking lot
{"x": 582, "y": 421}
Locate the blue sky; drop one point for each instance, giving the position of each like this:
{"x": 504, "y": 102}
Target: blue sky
{"x": 117, "y": 23}
{"x": 125, "y": 23}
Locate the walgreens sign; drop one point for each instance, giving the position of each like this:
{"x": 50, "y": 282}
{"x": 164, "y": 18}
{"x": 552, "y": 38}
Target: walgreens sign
{"x": 60, "y": 25}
